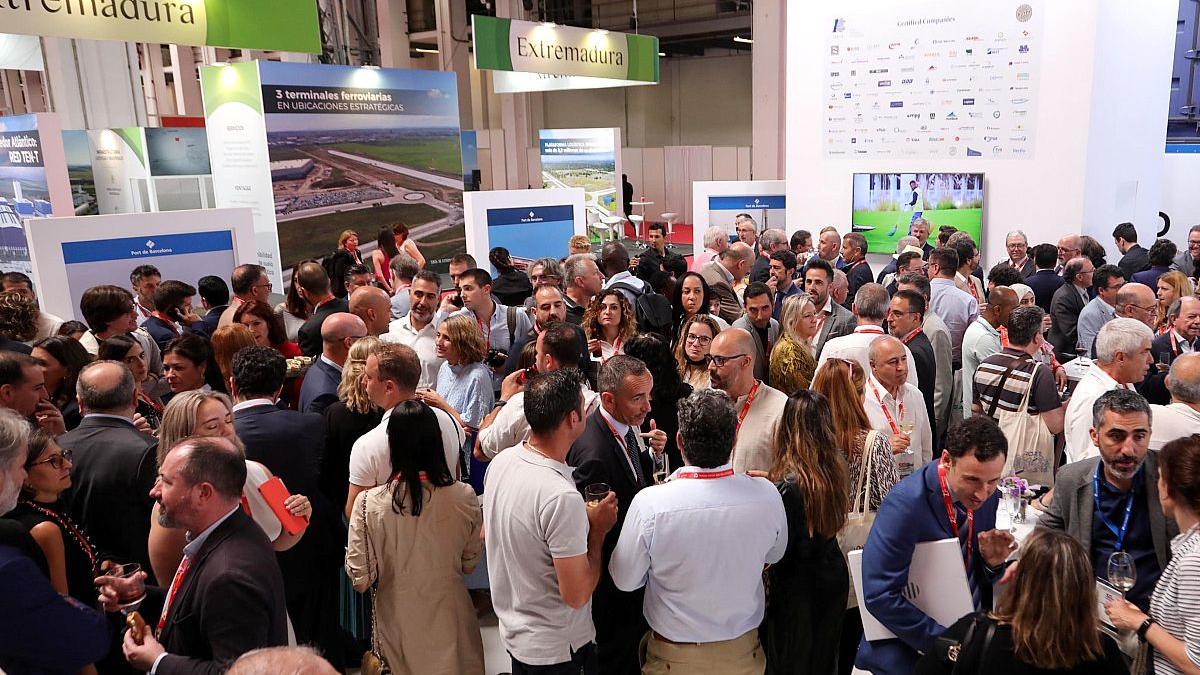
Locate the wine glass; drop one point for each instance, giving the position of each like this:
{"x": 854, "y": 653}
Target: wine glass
{"x": 907, "y": 427}
{"x": 130, "y": 594}
{"x": 660, "y": 466}
{"x": 1121, "y": 571}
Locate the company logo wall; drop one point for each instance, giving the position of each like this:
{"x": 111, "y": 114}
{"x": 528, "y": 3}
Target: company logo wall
{"x": 584, "y": 158}
{"x": 284, "y": 25}
{"x": 32, "y": 182}
{"x": 934, "y": 82}
{"x": 318, "y": 149}
{"x": 612, "y": 59}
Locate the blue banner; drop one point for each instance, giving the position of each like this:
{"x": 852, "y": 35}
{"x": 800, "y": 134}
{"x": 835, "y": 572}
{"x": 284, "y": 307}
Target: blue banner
{"x": 532, "y": 214}
{"x": 746, "y": 202}
{"x": 132, "y": 248}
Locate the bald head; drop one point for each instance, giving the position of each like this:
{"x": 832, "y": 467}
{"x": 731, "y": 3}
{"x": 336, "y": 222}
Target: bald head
{"x": 1137, "y": 301}
{"x": 1001, "y": 302}
{"x": 338, "y": 332}
{"x": 737, "y": 259}
{"x": 889, "y": 362}
{"x": 1184, "y": 379}
{"x": 373, "y": 306}
{"x": 273, "y": 660}
{"x": 735, "y": 376}
{"x": 107, "y": 387}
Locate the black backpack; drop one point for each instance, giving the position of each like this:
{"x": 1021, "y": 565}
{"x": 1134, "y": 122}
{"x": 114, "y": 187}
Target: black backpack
{"x": 652, "y": 310}
{"x": 328, "y": 263}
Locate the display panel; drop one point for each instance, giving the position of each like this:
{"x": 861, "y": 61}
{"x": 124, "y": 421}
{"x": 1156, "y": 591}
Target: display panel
{"x": 886, "y": 204}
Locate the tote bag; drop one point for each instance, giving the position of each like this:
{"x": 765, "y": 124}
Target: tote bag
{"x": 1030, "y": 443}
{"x": 853, "y": 535}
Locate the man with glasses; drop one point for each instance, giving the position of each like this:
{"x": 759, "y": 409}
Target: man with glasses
{"x": 338, "y": 333}
{"x": 1188, "y": 260}
{"x": 1108, "y": 281}
{"x": 759, "y": 407}
{"x": 249, "y": 282}
{"x": 1067, "y": 304}
{"x": 1017, "y": 245}
{"x": 905, "y": 321}
{"x": 1069, "y": 247}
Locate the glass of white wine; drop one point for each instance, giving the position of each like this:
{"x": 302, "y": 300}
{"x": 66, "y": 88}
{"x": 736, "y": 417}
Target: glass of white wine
{"x": 1122, "y": 573}
{"x": 660, "y": 466}
{"x": 907, "y": 427}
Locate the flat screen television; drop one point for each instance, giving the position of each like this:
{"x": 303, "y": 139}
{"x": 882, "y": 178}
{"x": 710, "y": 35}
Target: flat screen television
{"x": 886, "y": 204}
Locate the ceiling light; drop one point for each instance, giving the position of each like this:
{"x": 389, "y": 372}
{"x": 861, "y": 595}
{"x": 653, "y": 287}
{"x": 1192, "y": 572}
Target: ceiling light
{"x": 425, "y": 50}
{"x": 739, "y": 38}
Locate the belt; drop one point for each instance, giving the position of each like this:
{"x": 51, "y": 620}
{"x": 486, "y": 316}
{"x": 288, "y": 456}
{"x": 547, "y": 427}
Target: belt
{"x": 657, "y": 636}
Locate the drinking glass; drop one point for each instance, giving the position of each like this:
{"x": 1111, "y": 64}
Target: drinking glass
{"x": 907, "y": 427}
{"x": 1121, "y": 571}
{"x": 595, "y": 493}
{"x": 660, "y": 466}
{"x": 130, "y": 594}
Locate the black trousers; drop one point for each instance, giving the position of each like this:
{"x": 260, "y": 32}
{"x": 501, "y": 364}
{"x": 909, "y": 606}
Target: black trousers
{"x": 620, "y": 627}
{"x": 582, "y": 662}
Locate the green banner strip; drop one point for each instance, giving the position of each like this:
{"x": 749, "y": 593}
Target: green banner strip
{"x": 491, "y": 43}
{"x": 234, "y": 83}
{"x": 643, "y": 57}
{"x": 133, "y": 138}
{"x": 281, "y": 25}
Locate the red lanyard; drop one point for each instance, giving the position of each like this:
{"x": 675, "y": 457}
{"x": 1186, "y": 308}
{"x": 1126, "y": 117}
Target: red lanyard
{"x": 487, "y": 332}
{"x": 742, "y": 416}
{"x": 887, "y": 413}
{"x": 911, "y": 336}
{"x": 616, "y": 350}
{"x": 620, "y": 440}
{"x": 175, "y": 584}
{"x": 953, "y": 516}
{"x": 705, "y": 475}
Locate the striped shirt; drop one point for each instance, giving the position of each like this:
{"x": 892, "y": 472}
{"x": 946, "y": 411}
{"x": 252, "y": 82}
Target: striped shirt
{"x": 1044, "y": 396}
{"x": 1176, "y": 601}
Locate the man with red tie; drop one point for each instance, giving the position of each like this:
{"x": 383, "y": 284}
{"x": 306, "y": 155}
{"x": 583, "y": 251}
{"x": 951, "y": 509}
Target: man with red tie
{"x": 226, "y": 598}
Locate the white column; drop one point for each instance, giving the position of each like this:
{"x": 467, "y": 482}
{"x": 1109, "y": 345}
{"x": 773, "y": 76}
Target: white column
{"x": 393, "y": 33}
{"x": 94, "y": 84}
{"x": 769, "y": 87}
{"x": 514, "y": 119}
{"x": 187, "y": 81}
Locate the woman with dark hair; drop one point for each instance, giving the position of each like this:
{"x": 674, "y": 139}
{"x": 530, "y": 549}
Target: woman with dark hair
{"x": 344, "y": 258}
{"x": 608, "y": 323}
{"x": 294, "y": 310}
{"x": 1162, "y": 255}
{"x": 1172, "y": 630}
{"x": 413, "y": 538}
{"x": 1092, "y": 250}
{"x": 691, "y": 351}
{"x": 381, "y": 259}
{"x": 63, "y": 358}
{"x": 185, "y": 365}
{"x": 691, "y": 296}
{"x": 405, "y": 244}
{"x": 267, "y": 328}
{"x": 1044, "y": 622}
{"x": 18, "y": 316}
{"x": 807, "y": 589}
{"x": 668, "y": 389}
{"x": 73, "y": 329}
{"x": 511, "y": 286}
{"x": 129, "y": 351}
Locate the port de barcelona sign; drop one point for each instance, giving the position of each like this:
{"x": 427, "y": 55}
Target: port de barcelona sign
{"x": 278, "y": 25}
{"x": 530, "y": 56}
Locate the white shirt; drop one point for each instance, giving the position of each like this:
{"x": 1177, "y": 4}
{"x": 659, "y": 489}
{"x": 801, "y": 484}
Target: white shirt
{"x": 371, "y": 455}
{"x": 251, "y": 404}
{"x": 914, "y": 411}
{"x": 857, "y": 346}
{"x": 956, "y": 307}
{"x": 699, "y": 547}
{"x": 1169, "y": 422}
{"x": 1078, "y": 424}
{"x": 510, "y": 427}
{"x": 329, "y": 362}
{"x": 423, "y": 342}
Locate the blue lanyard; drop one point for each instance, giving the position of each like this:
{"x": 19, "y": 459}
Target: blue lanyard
{"x": 1120, "y": 534}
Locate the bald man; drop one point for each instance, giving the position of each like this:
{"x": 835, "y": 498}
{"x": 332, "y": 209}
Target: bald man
{"x": 338, "y": 332}
{"x": 1182, "y": 416}
{"x": 373, "y": 306}
{"x": 894, "y": 406}
{"x": 725, "y": 272}
{"x": 731, "y": 369}
{"x": 274, "y": 660}
{"x": 982, "y": 338}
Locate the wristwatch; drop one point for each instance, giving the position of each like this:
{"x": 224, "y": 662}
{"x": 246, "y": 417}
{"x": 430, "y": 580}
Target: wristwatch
{"x": 1141, "y": 631}
{"x": 500, "y": 403}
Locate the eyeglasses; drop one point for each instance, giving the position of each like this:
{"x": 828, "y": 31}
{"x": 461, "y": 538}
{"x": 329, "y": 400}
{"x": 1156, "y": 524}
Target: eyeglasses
{"x": 544, "y": 277}
{"x": 1151, "y": 308}
{"x": 720, "y": 361}
{"x": 267, "y": 285}
{"x": 699, "y": 339}
{"x": 57, "y": 461}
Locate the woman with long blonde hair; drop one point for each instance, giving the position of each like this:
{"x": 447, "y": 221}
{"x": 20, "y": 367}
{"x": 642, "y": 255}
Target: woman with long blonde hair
{"x": 210, "y": 414}
{"x": 1170, "y": 287}
{"x": 841, "y": 381}
{"x": 691, "y": 352}
{"x": 346, "y": 420}
{"x": 1046, "y": 620}
{"x": 809, "y": 585}
{"x": 792, "y": 359}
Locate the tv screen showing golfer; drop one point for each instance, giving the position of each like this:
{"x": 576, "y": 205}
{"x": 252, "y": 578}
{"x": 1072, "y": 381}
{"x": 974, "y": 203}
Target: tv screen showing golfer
{"x": 886, "y": 204}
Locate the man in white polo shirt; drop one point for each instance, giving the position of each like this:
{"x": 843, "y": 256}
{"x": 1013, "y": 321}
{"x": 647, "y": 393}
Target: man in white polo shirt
{"x": 416, "y": 329}
{"x": 1122, "y": 357}
{"x": 698, "y": 543}
{"x": 543, "y": 543}
{"x": 1182, "y": 416}
{"x": 759, "y": 406}
{"x": 391, "y": 375}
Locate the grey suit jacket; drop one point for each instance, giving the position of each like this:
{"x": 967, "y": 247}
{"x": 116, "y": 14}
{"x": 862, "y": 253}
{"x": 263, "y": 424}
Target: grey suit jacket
{"x": 762, "y": 357}
{"x": 943, "y": 384}
{"x": 1072, "y": 508}
{"x": 840, "y": 322}
{"x": 731, "y": 306}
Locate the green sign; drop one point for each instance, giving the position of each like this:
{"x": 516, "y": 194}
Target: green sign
{"x": 550, "y": 49}
{"x": 277, "y": 25}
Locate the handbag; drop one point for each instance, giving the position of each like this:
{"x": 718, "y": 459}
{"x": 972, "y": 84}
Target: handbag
{"x": 1030, "y": 442}
{"x": 853, "y": 535}
{"x": 949, "y": 651}
{"x": 373, "y": 662}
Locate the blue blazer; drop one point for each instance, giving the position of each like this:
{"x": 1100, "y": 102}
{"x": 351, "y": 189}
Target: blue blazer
{"x": 913, "y": 512}
{"x": 320, "y": 387}
{"x": 1044, "y": 283}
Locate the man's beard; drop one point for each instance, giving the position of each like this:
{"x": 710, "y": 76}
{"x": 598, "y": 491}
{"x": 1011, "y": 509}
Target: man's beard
{"x": 1123, "y": 474}
{"x": 9, "y": 497}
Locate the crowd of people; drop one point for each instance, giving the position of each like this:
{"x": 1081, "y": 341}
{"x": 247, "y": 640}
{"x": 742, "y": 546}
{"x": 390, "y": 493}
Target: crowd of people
{"x": 608, "y": 451}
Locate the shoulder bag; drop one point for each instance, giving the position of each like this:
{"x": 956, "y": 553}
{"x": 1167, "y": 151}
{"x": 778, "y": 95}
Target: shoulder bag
{"x": 949, "y": 651}
{"x": 853, "y": 535}
{"x": 373, "y": 662}
{"x": 1030, "y": 443}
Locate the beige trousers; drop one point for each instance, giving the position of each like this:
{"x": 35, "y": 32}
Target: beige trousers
{"x": 739, "y": 656}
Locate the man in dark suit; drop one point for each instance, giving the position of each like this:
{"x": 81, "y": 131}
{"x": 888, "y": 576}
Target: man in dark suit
{"x": 1045, "y": 281}
{"x": 312, "y": 283}
{"x": 214, "y": 296}
{"x": 227, "y": 596}
{"x": 1135, "y": 258}
{"x": 611, "y": 450}
{"x": 833, "y": 320}
{"x": 854, "y": 253}
{"x": 905, "y": 317}
{"x": 916, "y": 511}
{"x": 1183, "y": 319}
{"x": 320, "y": 388}
{"x": 114, "y": 465}
{"x": 290, "y": 444}
{"x": 1069, "y": 300}
{"x": 1125, "y": 474}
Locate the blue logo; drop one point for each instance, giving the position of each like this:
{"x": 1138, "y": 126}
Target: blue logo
{"x": 968, "y": 101}
{"x": 897, "y": 104}
{"x": 972, "y": 152}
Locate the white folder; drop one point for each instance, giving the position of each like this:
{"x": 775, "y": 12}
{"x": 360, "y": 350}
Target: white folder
{"x": 937, "y": 585}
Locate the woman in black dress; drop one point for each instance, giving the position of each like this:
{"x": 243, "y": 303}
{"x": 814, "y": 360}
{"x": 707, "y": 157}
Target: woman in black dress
{"x": 807, "y": 589}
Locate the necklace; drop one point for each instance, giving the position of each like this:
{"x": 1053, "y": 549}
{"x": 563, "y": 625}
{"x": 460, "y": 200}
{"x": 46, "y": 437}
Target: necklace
{"x": 531, "y": 447}
{"x": 67, "y": 525}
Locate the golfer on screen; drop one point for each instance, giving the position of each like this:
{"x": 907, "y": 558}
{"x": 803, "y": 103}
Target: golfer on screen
{"x": 915, "y": 205}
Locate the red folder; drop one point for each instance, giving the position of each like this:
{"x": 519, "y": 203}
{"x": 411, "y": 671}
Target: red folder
{"x": 275, "y": 494}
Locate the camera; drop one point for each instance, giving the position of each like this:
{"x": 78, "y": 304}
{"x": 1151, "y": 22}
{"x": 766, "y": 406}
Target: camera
{"x": 496, "y": 358}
